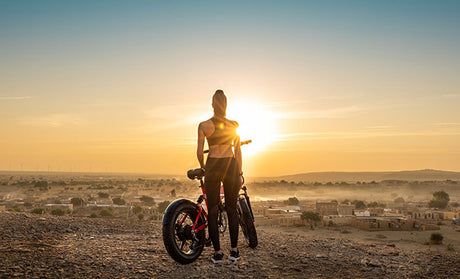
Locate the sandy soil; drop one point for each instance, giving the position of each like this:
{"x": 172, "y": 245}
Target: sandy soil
{"x": 35, "y": 246}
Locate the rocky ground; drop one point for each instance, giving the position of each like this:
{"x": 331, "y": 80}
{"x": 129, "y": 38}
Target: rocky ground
{"x": 43, "y": 246}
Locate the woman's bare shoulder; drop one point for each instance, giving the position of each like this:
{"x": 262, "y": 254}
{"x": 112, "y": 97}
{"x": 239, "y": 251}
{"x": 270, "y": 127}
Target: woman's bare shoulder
{"x": 233, "y": 123}
{"x": 205, "y": 125}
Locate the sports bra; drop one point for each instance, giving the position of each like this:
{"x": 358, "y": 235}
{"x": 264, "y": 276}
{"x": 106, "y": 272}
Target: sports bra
{"x": 224, "y": 132}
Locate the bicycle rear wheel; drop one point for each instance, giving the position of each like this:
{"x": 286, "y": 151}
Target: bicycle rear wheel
{"x": 247, "y": 222}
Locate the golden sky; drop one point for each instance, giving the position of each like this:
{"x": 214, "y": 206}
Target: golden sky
{"x": 120, "y": 87}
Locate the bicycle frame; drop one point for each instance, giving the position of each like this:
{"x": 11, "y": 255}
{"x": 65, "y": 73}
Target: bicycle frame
{"x": 201, "y": 210}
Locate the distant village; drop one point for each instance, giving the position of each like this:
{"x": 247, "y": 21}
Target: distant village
{"x": 392, "y": 216}
{"x": 146, "y": 199}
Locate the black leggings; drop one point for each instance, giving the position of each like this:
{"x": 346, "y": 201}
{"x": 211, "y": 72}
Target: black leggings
{"x": 222, "y": 170}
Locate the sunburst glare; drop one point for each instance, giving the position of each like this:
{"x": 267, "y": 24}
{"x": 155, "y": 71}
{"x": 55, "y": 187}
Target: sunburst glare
{"x": 256, "y": 123}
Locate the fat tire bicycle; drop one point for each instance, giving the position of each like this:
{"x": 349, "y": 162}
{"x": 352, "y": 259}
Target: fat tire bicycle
{"x": 185, "y": 221}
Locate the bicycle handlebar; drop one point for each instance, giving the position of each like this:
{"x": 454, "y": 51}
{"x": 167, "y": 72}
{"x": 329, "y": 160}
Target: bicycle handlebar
{"x": 241, "y": 143}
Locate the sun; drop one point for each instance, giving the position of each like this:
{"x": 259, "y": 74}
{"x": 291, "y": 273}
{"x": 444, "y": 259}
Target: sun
{"x": 257, "y": 123}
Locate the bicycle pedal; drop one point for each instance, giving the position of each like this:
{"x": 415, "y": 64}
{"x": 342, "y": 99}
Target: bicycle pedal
{"x": 208, "y": 242}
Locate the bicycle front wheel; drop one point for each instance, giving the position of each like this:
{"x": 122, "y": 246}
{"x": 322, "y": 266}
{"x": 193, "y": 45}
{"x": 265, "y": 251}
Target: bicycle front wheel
{"x": 247, "y": 222}
{"x": 182, "y": 244}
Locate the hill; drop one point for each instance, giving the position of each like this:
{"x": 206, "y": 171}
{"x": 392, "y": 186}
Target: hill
{"x": 420, "y": 175}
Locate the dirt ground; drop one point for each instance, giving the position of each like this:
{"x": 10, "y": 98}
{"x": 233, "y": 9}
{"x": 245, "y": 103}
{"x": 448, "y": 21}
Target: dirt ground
{"x": 408, "y": 240}
{"x": 44, "y": 246}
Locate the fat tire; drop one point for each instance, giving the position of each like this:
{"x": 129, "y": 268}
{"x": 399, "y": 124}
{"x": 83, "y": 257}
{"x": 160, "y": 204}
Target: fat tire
{"x": 169, "y": 231}
{"x": 247, "y": 222}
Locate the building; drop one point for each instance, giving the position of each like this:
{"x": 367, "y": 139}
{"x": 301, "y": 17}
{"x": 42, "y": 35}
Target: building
{"x": 326, "y": 208}
{"x": 428, "y": 215}
{"x": 338, "y": 220}
{"x": 391, "y": 224}
{"x": 346, "y": 209}
{"x": 448, "y": 215}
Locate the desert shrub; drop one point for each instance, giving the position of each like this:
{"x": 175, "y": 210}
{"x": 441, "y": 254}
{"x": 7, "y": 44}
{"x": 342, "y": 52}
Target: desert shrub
{"x": 162, "y": 206}
{"x": 147, "y": 200}
{"x": 27, "y": 204}
{"x": 118, "y": 201}
{"x": 41, "y": 185}
{"x": 103, "y": 195}
{"x": 439, "y": 223}
{"x": 106, "y": 212}
{"x": 455, "y": 204}
{"x": 140, "y": 216}
{"x": 77, "y": 201}
{"x": 16, "y": 208}
{"x": 93, "y": 215}
{"x": 173, "y": 193}
{"x": 57, "y": 202}
{"x": 137, "y": 209}
{"x": 38, "y": 210}
{"x": 399, "y": 200}
{"x": 436, "y": 238}
{"x": 450, "y": 247}
{"x": 58, "y": 212}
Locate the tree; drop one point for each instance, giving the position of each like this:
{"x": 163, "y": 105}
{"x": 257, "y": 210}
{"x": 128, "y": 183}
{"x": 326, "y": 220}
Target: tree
{"x": 292, "y": 201}
{"x": 147, "y": 200}
{"x": 162, "y": 206}
{"x": 440, "y": 200}
{"x": 118, "y": 201}
{"x": 310, "y": 217}
{"x": 359, "y": 204}
{"x": 77, "y": 201}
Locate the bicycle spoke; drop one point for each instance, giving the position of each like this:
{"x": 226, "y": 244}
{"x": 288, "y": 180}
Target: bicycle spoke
{"x": 182, "y": 245}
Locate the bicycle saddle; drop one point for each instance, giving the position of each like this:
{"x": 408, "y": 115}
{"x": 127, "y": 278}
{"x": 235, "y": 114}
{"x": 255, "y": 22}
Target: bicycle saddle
{"x": 195, "y": 173}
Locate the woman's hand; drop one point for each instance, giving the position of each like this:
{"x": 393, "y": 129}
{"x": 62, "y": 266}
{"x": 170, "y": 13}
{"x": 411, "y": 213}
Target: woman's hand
{"x": 241, "y": 179}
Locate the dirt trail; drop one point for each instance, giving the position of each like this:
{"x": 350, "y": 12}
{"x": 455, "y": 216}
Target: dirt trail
{"x": 35, "y": 246}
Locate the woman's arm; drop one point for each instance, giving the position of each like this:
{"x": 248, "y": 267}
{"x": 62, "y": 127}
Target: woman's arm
{"x": 238, "y": 156}
{"x": 200, "y": 146}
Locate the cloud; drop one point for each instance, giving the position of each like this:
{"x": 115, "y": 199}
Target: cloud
{"x": 358, "y": 134}
{"x": 448, "y": 124}
{"x": 53, "y": 120}
{"x": 15, "y": 97}
{"x": 340, "y": 112}
{"x": 173, "y": 116}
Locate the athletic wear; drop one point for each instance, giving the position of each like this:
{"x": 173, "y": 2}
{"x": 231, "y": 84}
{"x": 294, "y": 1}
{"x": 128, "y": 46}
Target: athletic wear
{"x": 234, "y": 255}
{"x": 222, "y": 170}
{"x": 217, "y": 258}
{"x": 224, "y": 132}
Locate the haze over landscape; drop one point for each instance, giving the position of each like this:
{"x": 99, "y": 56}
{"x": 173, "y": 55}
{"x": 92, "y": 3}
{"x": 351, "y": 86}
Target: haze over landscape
{"x": 352, "y": 108}
{"x": 111, "y": 86}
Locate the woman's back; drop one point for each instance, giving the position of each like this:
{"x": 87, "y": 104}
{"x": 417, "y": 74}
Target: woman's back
{"x": 220, "y": 134}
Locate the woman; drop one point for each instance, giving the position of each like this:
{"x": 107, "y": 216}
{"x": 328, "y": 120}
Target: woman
{"x": 223, "y": 165}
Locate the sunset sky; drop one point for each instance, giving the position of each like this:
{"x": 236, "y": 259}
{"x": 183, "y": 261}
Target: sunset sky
{"x": 120, "y": 86}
